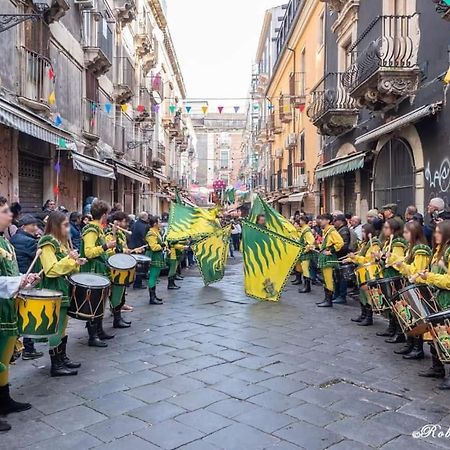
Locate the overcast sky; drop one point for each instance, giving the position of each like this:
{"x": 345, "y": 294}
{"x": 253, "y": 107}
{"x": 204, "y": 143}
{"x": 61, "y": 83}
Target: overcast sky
{"x": 216, "y": 41}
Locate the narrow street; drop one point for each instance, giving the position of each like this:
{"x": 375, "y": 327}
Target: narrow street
{"x": 213, "y": 369}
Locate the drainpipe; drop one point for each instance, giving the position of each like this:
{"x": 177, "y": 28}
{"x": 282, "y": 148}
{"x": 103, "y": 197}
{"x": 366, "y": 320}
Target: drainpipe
{"x": 293, "y": 115}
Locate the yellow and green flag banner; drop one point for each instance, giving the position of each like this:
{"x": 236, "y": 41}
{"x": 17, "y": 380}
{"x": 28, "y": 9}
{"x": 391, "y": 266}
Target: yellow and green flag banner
{"x": 190, "y": 222}
{"x": 274, "y": 220}
{"x": 268, "y": 261}
{"x": 211, "y": 254}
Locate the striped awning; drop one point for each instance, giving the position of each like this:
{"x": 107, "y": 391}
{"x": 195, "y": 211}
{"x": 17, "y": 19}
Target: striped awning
{"x": 343, "y": 165}
{"x": 93, "y": 166}
{"x": 14, "y": 117}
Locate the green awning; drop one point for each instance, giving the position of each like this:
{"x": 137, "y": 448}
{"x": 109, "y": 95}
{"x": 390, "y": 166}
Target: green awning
{"x": 340, "y": 166}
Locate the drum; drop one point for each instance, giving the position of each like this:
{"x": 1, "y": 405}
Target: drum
{"x": 412, "y": 305}
{"x": 440, "y": 331}
{"x": 382, "y": 291}
{"x": 368, "y": 272}
{"x": 143, "y": 264}
{"x": 122, "y": 269}
{"x": 347, "y": 271}
{"x": 88, "y": 292}
{"x": 38, "y": 312}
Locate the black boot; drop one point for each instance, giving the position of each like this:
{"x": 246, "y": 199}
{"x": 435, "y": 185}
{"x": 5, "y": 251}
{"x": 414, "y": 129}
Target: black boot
{"x": 58, "y": 369}
{"x": 436, "y": 370}
{"x": 171, "y": 284}
{"x": 363, "y": 314}
{"x": 407, "y": 348}
{"x": 118, "y": 322}
{"x": 94, "y": 340}
{"x": 417, "y": 350}
{"x": 399, "y": 336}
{"x": 65, "y": 359}
{"x": 368, "y": 319}
{"x": 390, "y": 330}
{"x": 445, "y": 385}
{"x": 153, "y": 299}
{"x": 4, "y": 426}
{"x": 101, "y": 332}
{"x": 8, "y": 405}
{"x": 156, "y": 296}
{"x": 306, "y": 288}
{"x": 327, "y": 302}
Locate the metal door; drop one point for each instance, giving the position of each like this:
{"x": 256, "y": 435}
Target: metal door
{"x": 31, "y": 184}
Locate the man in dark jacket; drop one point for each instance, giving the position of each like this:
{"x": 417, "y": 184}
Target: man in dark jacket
{"x": 75, "y": 230}
{"x": 25, "y": 244}
{"x": 138, "y": 233}
{"x": 340, "y": 223}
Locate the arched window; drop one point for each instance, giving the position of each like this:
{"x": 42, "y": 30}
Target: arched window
{"x": 394, "y": 175}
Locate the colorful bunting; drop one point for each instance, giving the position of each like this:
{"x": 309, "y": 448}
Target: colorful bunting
{"x": 140, "y": 108}
{"x": 188, "y": 109}
{"x": 56, "y": 190}
{"x": 57, "y": 167}
{"x": 51, "y": 73}
{"x": 172, "y": 109}
{"x": 58, "y": 120}
{"x": 270, "y": 107}
{"x": 236, "y": 109}
{"x": 155, "y": 108}
{"x": 62, "y": 143}
{"x": 255, "y": 107}
{"x": 204, "y": 109}
{"x": 108, "y": 107}
{"x": 52, "y": 98}
{"x": 301, "y": 107}
{"x": 124, "y": 107}
{"x": 220, "y": 108}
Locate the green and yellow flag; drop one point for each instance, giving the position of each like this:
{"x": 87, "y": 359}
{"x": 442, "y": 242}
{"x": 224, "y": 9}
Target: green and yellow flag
{"x": 274, "y": 220}
{"x": 268, "y": 261}
{"x": 211, "y": 254}
{"x": 190, "y": 222}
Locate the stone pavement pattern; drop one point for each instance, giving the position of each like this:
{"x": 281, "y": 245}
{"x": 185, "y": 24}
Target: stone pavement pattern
{"x": 212, "y": 369}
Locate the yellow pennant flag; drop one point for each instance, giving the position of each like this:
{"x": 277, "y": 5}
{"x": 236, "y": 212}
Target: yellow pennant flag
{"x": 52, "y": 98}
{"x": 204, "y": 109}
{"x": 446, "y": 79}
{"x": 124, "y": 107}
{"x": 268, "y": 261}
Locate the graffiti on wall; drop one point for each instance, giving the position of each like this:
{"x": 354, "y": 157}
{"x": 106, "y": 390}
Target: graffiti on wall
{"x": 438, "y": 180}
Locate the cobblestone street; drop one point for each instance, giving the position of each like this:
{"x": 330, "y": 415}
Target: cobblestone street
{"x": 213, "y": 369}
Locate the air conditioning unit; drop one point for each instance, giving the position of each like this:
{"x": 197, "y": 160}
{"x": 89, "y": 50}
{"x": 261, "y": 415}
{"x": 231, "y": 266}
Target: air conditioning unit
{"x": 279, "y": 153}
{"x": 291, "y": 140}
{"x": 303, "y": 180}
{"x": 84, "y": 4}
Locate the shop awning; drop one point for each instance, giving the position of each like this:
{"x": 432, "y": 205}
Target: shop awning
{"x": 283, "y": 200}
{"x": 348, "y": 164}
{"x": 298, "y": 197}
{"x": 159, "y": 175}
{"x": 131, "y": 173}
{"x": 400, "y": 122}
{"x": 14, "y": 117}
{"x": 93, "y": 166}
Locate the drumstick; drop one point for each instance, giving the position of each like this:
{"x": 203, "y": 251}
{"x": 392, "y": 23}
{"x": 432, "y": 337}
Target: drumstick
{"x": 391, "y": 238}
{"x": 370, "y": 239}
{"x": 38, "y": 253}
{"x": 139, "y": 248}
{"x": 124, "y": 230}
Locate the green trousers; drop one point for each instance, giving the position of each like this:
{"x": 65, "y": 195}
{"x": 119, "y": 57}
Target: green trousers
{"x": 173, "y": 263}
{"x": 6, "y": 351}
{"x": 117, "y": 296}
{"x": 153, "y": 275}
{"x": 364, "y": 297}
{"x": 55, "y": 340}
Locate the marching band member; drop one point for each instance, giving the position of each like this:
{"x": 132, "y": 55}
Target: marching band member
{"x": 439, "y": 277}
{"x": 57, "y": 261}
{"x": 331, "y": 243}
{"x": 307, "y": 241}
{"x": 369, "y": 246}
{"x": 417, "y": 259}
{"x": 155, "y": 251}
{"x": 175, "y": 250}
{"x": 117, "y": 297}
{"x": 95, "y": 249}
{"x": 297, "y": 272}
{"x": 393, "y": 244}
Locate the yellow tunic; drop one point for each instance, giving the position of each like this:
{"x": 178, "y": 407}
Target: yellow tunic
{"x": 367, "y": 258}
{"x": 54, "y": 268}
{"x": 92, "y": 250}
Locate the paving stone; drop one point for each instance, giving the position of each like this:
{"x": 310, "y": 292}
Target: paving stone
{"x": 170, "y": 434}
{"x": 407, "y": 443}
{"x": 239, "y": 437}
{"x": 239, "y": 389}
{"x": 275, "y": 401}
{"x": 204, "y": 421}
{"x": 198, "y": 445}
{"x": 70, "y": 441}
{"x": 357, "y": 408}
{"x": 264, "y": 419}
{"x": 308, "y": 436}
{"x": 402, "y": 422}
{"x": 128, "y": 442}
{"x": 76, "y": 418}
{"x": 115, "y": 428}
{"x": 199, "y": 398}
{"x": 139, "y": 379}
{"x": 321, "y": 397}
{"x": 151, "y": 393}
{"x": 231, "y": 407}
{"x": 57, "y": 402}
{"x": 157, "y": 412}
{"x": 314, "y": 414}
{"x": 283, "y": 385}
{"x": 178, "y": 368}
{"x": 33, "y": 433}
{"x": 115, "y": 404}
{"x": 98, "y": 390}
{"x": 180, "y": 384}
{"x": 349, "y": 445}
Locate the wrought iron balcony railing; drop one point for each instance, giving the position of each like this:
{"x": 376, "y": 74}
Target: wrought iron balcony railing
{"x": 331, "y": 109}
{"x": 384, "y": 61}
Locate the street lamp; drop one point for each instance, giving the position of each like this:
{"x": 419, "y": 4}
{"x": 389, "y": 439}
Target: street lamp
{"x": 8, "y": 21}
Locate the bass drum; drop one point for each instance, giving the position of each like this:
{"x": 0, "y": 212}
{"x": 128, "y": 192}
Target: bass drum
{"x": 88, "y": 293}
{"x": 143, "y": 264}
{"x": 381, "y": 292}
{"x": 440, "y": 332}
{"x": 122, "y": 269}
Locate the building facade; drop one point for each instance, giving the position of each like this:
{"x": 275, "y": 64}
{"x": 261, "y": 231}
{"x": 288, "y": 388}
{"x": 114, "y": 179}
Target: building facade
{"x": 381, "y": 107}
{"x": 91, "y": 105}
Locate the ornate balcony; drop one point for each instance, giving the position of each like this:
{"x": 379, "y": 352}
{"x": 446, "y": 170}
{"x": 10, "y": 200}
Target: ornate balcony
{"x": 331, "y": 109}
{"x": 143, "y": 38}
{"x": 125, "y": 10}
{"x": 274, "y": 124}
{"x": 159, "y": 156}
{"x": 90, "y": 120}
{"x": 384, "y": 68}
{"x": 297, "y": 90}
{"x": 35, "y": 83}
{"x": 442, "y": 8}
{"x": 284, "y": 109}
{"x": 125, "y": 80}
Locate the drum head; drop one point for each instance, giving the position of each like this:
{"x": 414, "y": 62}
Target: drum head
{"x": 142, "y": 258}
{"x": 39, "y": 293}
{"x": 89, "y": 280}
{"x": 122, "y": 261}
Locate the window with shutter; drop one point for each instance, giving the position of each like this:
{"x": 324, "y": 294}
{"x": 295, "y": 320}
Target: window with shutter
{"x": 37, "y": 36}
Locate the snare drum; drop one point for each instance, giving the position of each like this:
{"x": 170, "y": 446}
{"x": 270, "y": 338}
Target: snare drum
{"x": 368, "y": 272}
{"x": 440, "y": 331}
{"x": 412, "y": 305}
{"x": 38, "y": 312}
{"x": 122, "y": 269}
{"x": 347, "y": 271}
{"x": 381, "y": 292}
{"x": 143, "y": 264}
{"x": 88, "y": 293}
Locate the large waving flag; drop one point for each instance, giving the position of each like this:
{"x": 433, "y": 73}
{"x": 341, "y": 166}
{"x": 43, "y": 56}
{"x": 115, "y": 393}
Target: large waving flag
{"x": 190, "y": 222}
{"x": 211, "y": 254}
{"x": 274, "y": 220}
{"x": 268, "y": 261}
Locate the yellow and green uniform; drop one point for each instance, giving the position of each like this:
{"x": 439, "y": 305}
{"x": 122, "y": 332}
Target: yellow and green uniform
{"x": 333, "y": 242}
{"x": 92, "y": 247}
{"x": 306, "y": 239}
{"x": 417, "y": 260}
{"x": 156, "y": 253}
{"x": 55, "y": 262}
{"x": 440, "y": 278}
{"x": 176, "y": 250}
{"x": 397, "y": 250}
{"x": 8, "y": 315}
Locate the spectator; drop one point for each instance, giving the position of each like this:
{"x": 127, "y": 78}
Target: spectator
{"x": 25, "y": 245}
{"x": 340, "y": 222}
{"x": 355, "y": 225}
{"x": 49, "y": 206}
{"x": 409, "y": 213}
{"x": 88, "y": 205}
{"x": 236, "y": 234}
{"x": 75, "y": 229}
{"x": 374, "y": 219}
{"x": 16, "y": 209}
{"x": 390, "y": 212}
{"x": 436, "y": 209}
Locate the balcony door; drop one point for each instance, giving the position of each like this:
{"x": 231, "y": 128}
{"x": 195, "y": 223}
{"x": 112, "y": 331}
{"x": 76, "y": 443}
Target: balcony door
{"x": 394, "y": 175}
